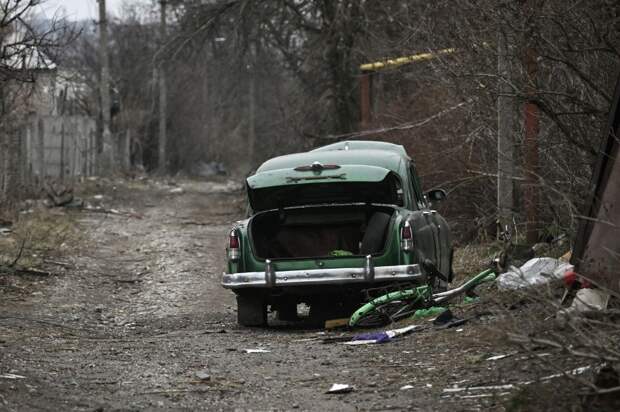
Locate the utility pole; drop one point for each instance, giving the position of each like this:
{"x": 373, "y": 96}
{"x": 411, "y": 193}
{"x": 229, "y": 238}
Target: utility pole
{"x": 365, "y": 99}
{"x": 163, "y": 98}
{"x": 505, "y": 141}
{"x": 252, "y": 106}
{"x": 530, "y": 142}
{"x": 531, "y": 125}
{"x": 105, "y": 162}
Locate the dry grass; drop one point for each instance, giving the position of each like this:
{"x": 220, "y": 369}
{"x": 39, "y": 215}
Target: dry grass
{"x": 473, "y": 258}
{"x": 45, "y": 233}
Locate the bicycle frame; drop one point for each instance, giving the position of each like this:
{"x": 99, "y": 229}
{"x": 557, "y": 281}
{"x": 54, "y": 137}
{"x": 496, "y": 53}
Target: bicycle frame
{"x": 421, "y": 296}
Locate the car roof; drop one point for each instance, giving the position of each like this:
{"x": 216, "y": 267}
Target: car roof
{"x": 363, "y": 145}
{"x": 386, "y": 159}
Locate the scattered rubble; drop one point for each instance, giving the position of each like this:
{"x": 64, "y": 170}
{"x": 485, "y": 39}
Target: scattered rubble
{"x": 340, "y": 388}
{"x": 11, "y": 376}
{"x": 535, "y": 271}
{"x": 585, "y": 301}
{"x": 58, "y": 194}
{"x": 258, "y": 350}
{"x": 380, "y": 337}
{"x": 498, "y": 357}
{"x": 203, "y": 375}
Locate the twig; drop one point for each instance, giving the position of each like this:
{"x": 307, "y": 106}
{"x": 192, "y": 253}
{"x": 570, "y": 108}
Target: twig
{"x": 61, "y": 264}
{"x": 115, "y": 212}
{"x": 199, "y": 390}
{"x": 405, "y": 126}
{"x": 19, "y": 254}
{"x": 45, "y": 322}
{"x": 194, "y": 223}
{"x": 24, "y": 271}
{"x": 546, "y": 342}
{"x": 603, "y": 391}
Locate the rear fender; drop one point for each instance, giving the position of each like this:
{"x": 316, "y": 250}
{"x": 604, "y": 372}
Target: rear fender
{"x": 423, "y": 237}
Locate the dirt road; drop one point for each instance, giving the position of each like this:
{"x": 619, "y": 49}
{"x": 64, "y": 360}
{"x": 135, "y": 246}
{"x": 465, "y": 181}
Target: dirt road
{"x": 136, "y": 320}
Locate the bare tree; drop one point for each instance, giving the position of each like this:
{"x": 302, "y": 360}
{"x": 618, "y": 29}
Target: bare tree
{"x": 247, "y": 80}
{"x": 28, "y": 47}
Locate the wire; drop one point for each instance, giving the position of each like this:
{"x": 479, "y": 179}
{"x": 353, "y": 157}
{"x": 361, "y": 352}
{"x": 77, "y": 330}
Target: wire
{"x": 404, "y": 126}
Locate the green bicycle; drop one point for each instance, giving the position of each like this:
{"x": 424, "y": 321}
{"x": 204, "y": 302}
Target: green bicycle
{"x": 401, "y": 304}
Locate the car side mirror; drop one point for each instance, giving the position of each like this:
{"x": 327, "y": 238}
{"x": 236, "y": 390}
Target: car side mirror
{"x": 436, "y": 195}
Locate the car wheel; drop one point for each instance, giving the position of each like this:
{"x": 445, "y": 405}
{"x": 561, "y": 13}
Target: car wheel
{"x": 251, "y": 311}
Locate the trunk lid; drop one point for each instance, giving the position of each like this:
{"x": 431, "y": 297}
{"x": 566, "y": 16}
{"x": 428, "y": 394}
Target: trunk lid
{"x": 322, "y": 184}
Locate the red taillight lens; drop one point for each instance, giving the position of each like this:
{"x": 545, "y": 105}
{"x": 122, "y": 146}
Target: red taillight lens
{"x": 406, "y": 237}
{"x": 233, "y": 240}
{"x": 233, "y": 246}
{"x": 406, "y": 232}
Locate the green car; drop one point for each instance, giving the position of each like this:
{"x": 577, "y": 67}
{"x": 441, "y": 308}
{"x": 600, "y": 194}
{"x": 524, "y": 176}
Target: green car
{"x": 328, "y": 224}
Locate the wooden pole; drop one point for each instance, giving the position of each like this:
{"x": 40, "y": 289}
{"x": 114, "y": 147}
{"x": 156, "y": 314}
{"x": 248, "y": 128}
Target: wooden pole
{"x": 163, "y": 94}
{"x": 252, "y": 107}
{"x": 505, "y": 142}
{"x": 531, "y": 126}
{"x": 106, "y": 157}
{"x": 365, "y": 115}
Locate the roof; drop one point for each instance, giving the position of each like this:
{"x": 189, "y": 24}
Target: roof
{"x": 23, "y": 57}
{"x": 386, "y": 159}
{"x": 23, "y": 53}
{"x": 363, "y": 144}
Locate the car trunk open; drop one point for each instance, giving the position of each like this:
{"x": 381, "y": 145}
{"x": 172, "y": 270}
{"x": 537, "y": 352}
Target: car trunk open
{"x": 320, "y": 231}
{"x": 323, "y": 184}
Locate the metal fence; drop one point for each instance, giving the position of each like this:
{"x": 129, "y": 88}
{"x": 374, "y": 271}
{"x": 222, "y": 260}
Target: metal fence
{"x": 59, "y": 147}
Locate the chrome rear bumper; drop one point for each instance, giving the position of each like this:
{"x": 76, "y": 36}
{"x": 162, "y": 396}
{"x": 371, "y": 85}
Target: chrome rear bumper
{"x": 369, "y": 273}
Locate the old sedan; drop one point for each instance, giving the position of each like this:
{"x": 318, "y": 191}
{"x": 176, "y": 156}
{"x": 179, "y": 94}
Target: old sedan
{"x": 328, "y": 224}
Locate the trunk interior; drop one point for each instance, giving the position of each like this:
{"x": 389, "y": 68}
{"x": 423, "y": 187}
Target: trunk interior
{"x": 320, "y": 231}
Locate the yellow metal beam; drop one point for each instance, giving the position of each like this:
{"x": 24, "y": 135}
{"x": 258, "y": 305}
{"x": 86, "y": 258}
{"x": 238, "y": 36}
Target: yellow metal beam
{"x": 399, "y": 61}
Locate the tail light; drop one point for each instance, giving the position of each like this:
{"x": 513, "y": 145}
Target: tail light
{"x": 406, "y": 237}
{"x": 233, "y": 246}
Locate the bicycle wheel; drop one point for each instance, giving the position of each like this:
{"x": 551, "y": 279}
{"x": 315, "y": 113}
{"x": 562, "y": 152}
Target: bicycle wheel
{"x": 390, "y": 307}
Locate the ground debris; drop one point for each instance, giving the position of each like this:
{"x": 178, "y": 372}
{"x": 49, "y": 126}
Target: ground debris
{"x": 258, "y": 350}
{"x": 340, "y": 388}
{"x": 58, "y": 194}
{"x": 203, "y": 375}
{"x": 11, "y": 376}
{"x": 113, "y": 212}
{"x": 23, "y": 271}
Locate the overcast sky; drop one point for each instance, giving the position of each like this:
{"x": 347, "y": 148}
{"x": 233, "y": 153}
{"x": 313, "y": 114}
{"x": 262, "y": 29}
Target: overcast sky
{"x": 79, "y": 9}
